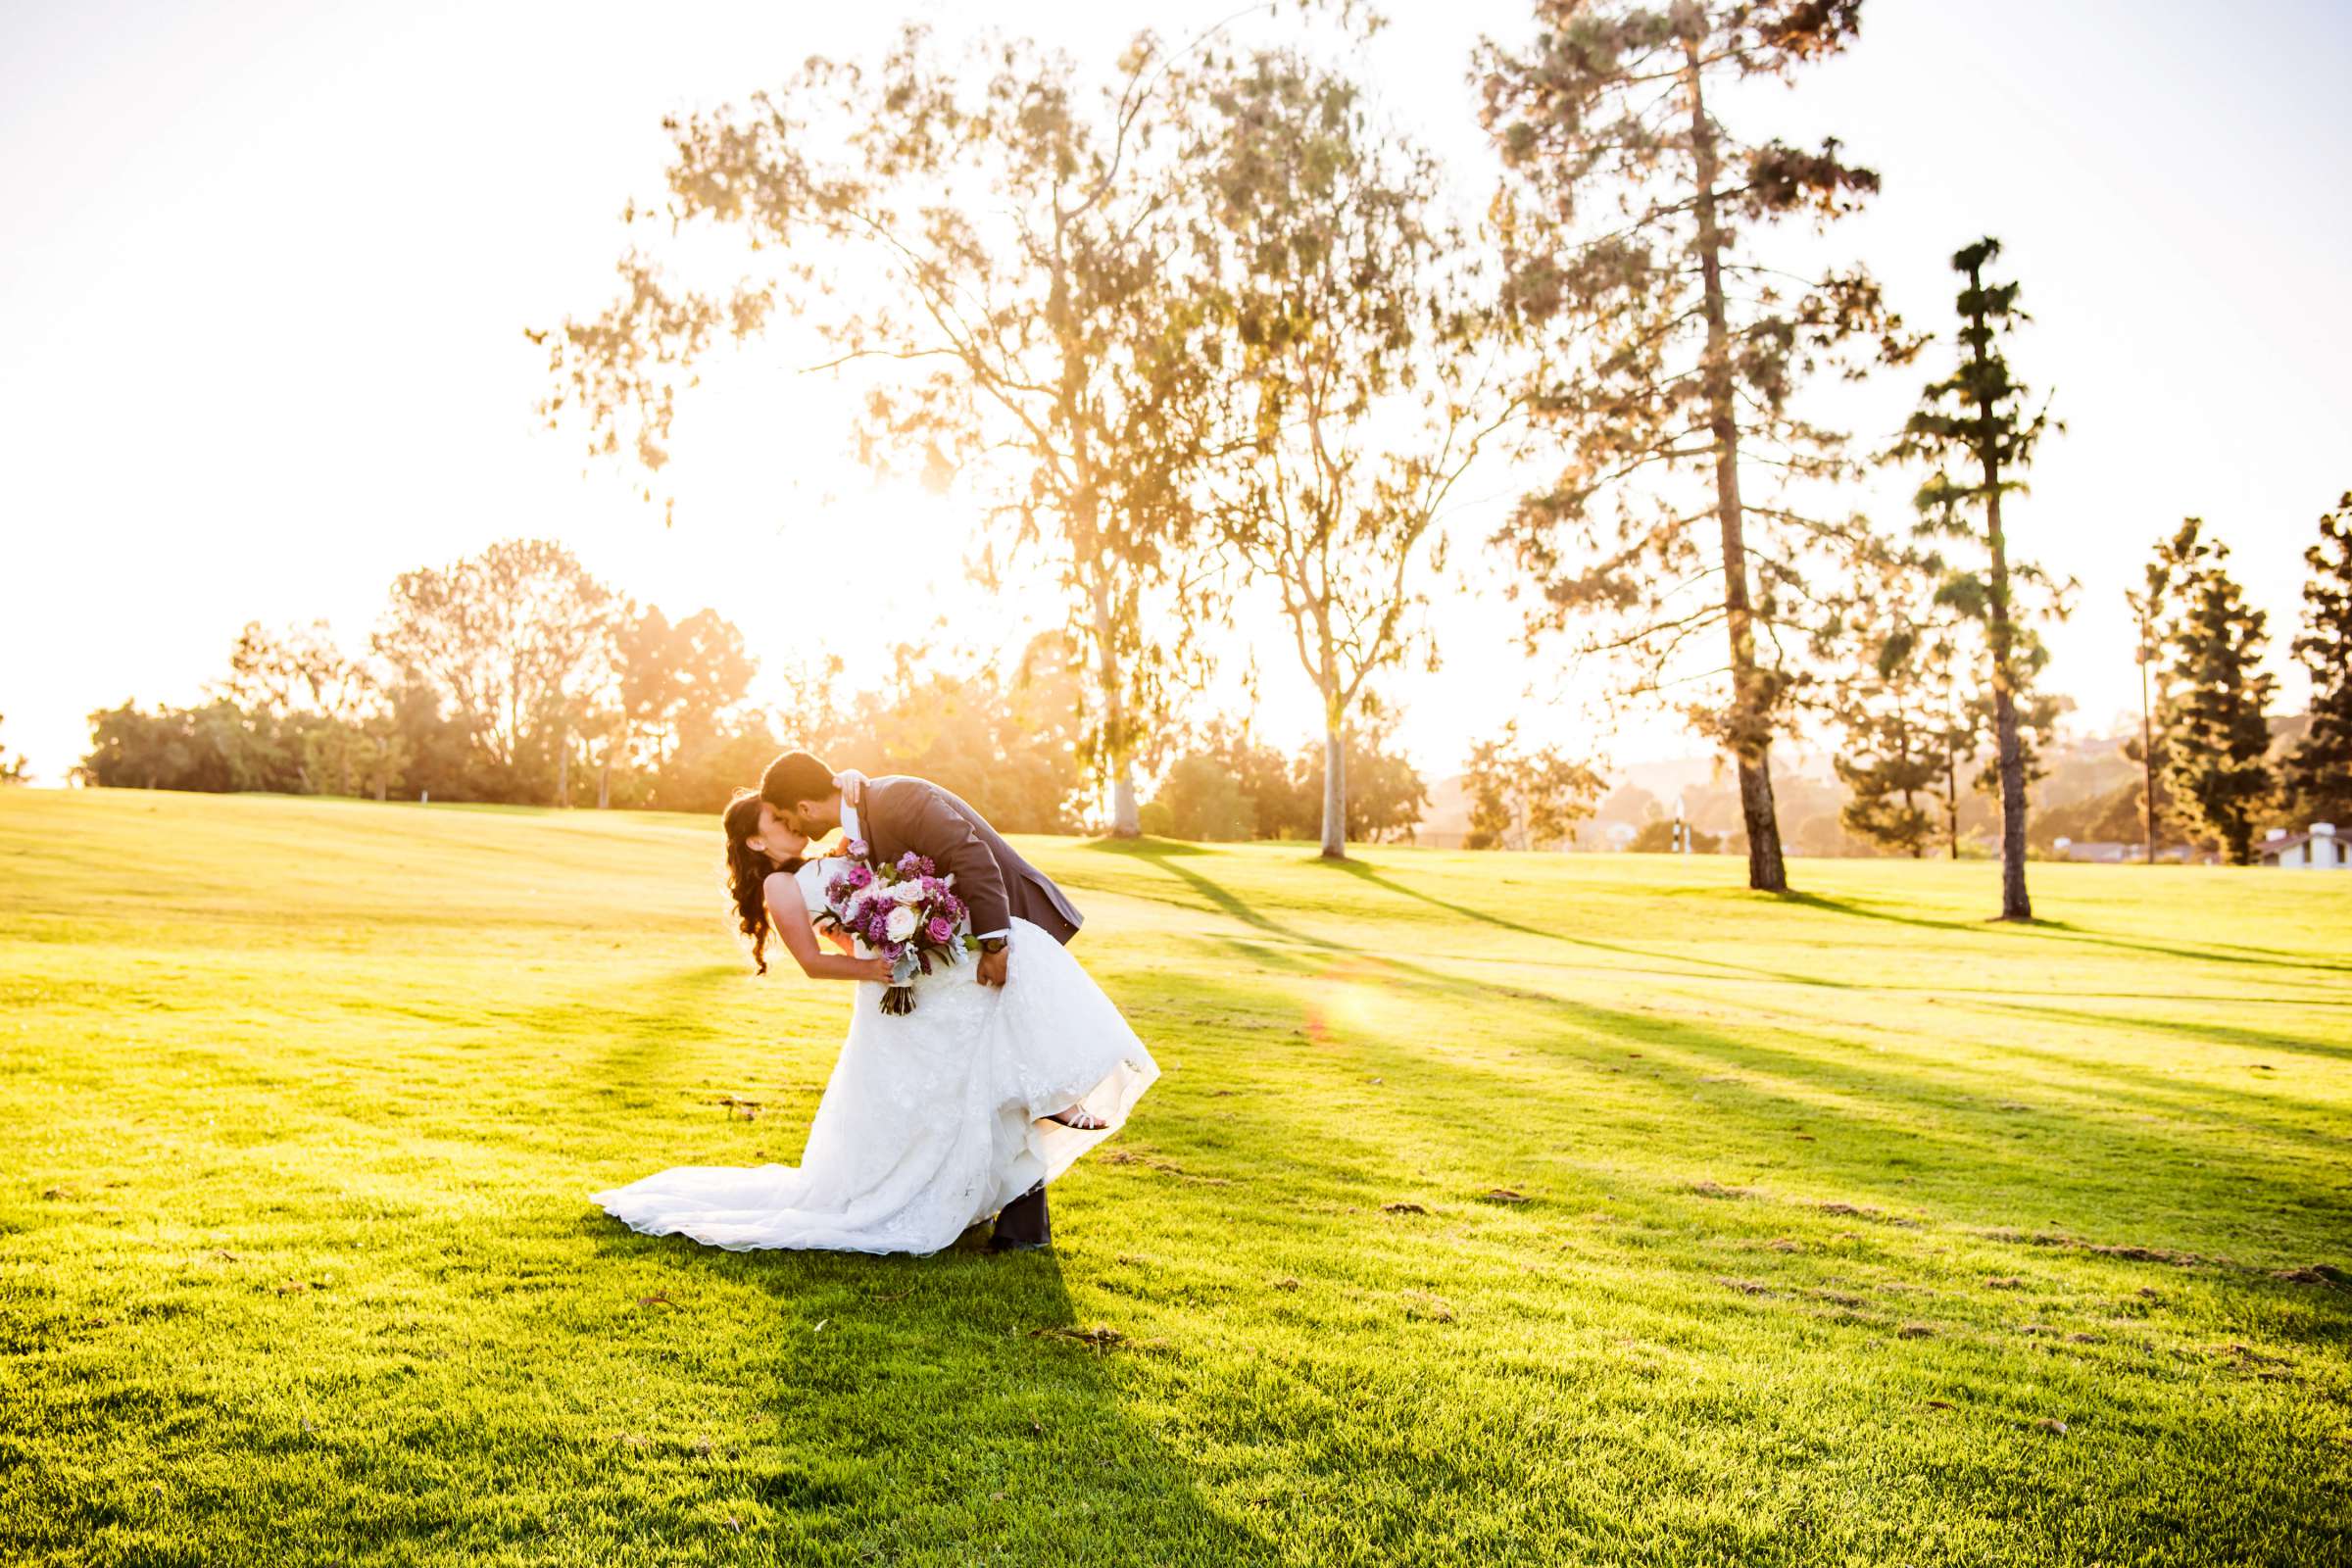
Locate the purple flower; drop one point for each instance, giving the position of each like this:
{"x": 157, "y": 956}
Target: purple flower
{"x": 858, "y": 876}
{"x": 938, "y": 930}
{"x": 838, "y": 889}
{"x": 934, "y": 888}
{"x": 953, "y": 908}
{"x": 911, "y": 865}
{"x": 929, "y": 869}
{"x": 856, "y": 849}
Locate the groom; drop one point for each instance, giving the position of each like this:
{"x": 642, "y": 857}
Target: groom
{"x": 895, "y": 814}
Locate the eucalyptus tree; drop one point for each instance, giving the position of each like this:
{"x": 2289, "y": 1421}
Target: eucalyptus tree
{"x": 1361, "y": 380}
{"x": 1003, "y": 247}
{"x": 1972, "y": 427}
{"x": 303, "y": 671}
{"x": 1526, "y": 796}
{"x": 1674, "y": 349}
{"x": 509, "y": 638}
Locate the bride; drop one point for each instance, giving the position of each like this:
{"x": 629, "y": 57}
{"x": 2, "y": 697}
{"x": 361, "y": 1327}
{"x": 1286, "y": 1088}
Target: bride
{"x": 933, "y": 1120}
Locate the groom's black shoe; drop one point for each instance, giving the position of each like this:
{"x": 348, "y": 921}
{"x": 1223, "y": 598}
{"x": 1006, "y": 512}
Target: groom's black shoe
{"x": 1024, "y": 1226}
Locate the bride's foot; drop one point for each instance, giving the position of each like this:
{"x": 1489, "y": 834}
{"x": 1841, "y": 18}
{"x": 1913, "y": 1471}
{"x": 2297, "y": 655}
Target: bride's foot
{"x": 1078, "y": 1119}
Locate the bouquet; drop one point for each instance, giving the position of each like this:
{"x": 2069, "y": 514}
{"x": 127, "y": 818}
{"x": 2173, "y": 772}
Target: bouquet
{"x": 907, "y": 912}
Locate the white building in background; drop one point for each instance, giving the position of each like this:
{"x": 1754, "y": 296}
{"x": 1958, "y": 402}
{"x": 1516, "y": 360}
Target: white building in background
{"x": 2318, "y": 850}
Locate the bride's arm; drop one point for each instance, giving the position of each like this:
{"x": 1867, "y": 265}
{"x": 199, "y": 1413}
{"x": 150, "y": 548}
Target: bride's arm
{"x": 790, "y": 916}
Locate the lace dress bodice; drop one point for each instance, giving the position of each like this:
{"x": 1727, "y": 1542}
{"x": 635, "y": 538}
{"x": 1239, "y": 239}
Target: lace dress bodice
{"x": 811, "y": 878}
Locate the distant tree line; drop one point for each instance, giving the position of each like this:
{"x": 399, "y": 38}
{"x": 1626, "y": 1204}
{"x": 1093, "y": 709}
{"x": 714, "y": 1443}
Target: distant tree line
{"x": 515, "y": 676}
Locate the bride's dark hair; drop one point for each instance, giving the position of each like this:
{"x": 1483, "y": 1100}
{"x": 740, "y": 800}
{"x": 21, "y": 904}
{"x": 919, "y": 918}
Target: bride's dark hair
{"x": 748, "y": 870}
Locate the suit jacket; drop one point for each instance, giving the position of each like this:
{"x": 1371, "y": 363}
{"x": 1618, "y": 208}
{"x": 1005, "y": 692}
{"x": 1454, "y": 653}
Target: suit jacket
{"x": 897, "y": 814}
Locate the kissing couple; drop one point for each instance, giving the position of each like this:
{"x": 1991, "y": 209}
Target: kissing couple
{"x": 981, "y": 1059}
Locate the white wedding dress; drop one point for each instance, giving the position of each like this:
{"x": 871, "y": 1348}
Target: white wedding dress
{"x": 931, "y": 1120}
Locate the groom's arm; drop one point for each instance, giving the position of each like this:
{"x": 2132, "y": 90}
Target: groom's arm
{"x": 940, "y": 832}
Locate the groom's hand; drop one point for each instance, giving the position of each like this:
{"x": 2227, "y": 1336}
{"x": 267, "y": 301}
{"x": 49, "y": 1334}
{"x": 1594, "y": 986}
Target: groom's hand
{"x": 996, "y": 967}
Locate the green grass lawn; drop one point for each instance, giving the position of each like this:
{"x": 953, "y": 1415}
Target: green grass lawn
{"x": 1494, "y": 1209}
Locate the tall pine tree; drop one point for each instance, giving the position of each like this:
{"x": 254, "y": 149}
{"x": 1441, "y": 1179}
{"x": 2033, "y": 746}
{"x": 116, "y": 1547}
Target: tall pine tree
{"x": 1892, "y": 757}
{"x": 1972, "y": 426}
{"x": 1671, "y": 345}
{"x": 2216, "y": 730}
{"x": 2318, "y": 774}
{"x": 1893, "y": 650}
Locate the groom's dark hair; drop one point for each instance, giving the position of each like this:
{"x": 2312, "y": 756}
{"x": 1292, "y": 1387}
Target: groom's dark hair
{"x": 794, "y": 777}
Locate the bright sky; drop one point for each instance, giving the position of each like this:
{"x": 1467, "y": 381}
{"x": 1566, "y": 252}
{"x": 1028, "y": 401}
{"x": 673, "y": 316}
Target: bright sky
{"x": 268, "y": 263}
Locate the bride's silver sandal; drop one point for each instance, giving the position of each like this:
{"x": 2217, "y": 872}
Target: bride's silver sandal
{"x": 1078, "y": 1119}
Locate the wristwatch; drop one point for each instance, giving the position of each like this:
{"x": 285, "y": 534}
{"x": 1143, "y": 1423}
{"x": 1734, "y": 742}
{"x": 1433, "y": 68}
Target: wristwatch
{"x": 991, "y": 943}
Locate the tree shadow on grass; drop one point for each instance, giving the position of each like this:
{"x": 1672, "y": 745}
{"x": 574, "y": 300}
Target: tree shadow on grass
{"x": 1873, "y": 1119}
{"x": 2068, "y": 931}
{"x": 2193, "y": 1033}
{"x": 1229, "y": 904}
{"x": 949, "y": 1410}
{"x": 2212, "y": 1106}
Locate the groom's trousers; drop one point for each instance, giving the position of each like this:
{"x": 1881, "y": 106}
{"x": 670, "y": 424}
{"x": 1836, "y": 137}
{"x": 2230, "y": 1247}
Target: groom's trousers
{"x": 1024, "y": 1222}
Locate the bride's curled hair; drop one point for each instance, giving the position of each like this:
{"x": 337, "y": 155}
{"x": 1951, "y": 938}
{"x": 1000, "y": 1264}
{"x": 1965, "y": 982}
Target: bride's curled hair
{"x": 748, "y": 871}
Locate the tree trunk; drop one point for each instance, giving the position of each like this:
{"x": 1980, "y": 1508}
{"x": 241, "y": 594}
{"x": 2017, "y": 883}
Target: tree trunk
{"x": 2147, "y": 750}
{"x": 2015, "y": 905}
{"x": 563, "y": 764}
{"x": 1119, "y": 748}
{"x": 1750, "y": 741}
{"x": 1334, "y": 787}
{"x": 603, "y": 780}
{"x": 1951, "y": 799}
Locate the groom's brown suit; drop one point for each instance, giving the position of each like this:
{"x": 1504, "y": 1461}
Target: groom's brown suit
{"x": 897, "y": 813}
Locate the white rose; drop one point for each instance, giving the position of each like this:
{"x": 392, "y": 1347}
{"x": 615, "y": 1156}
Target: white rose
{"x": 901, "y": 924}
{"x": 906, "y": 892}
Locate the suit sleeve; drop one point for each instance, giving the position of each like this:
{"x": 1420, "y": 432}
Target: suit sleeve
{"x": 938, "y": 831}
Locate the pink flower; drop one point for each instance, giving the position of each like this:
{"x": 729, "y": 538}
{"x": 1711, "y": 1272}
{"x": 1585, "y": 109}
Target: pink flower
{"x": 938, "y": 930}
